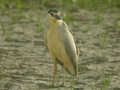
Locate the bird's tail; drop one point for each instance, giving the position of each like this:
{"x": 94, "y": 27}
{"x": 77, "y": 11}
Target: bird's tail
{"x": 72, "y": 69}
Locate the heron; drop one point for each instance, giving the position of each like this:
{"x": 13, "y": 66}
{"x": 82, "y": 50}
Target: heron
{"x": 60, "y": 44}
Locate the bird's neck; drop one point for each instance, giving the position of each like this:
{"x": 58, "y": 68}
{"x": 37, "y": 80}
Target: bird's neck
{"x": 53, "y": 25}
{"x": 57, "y": 22}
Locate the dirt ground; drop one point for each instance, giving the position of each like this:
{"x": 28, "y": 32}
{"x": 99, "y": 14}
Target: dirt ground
{"x": 25, "y": 63}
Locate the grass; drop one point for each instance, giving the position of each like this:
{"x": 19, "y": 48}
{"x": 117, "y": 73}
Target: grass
{"x": 15, "y": 17}
{"x": 68, "y": 19}
{"x": 19, "y": 6}
{"x": 5, "y": 33}
{"x": 98, "y": 19}
{"x": 105, "y": 84}
{"x": 117, "y": 23}
{"x": 40, "y": 29}
{"x": 3, "y": 29}
{"x": 66, "y": 4}
{"x": 103, "y": 38}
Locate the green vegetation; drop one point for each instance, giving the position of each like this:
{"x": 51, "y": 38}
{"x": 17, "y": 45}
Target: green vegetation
{"x": 98, "y": 19}
{"x": 94, "y": 4}
{"x": 105, "y": 84}
{"x": 67, "y": 18}
{"x": 40, "y": 28}
{"x": 3, "y": 29}
{"x": 103, "y": 38}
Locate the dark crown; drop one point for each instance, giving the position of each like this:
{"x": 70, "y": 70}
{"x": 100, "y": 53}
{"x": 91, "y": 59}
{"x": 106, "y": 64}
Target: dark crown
{"x": 52, "y": 11}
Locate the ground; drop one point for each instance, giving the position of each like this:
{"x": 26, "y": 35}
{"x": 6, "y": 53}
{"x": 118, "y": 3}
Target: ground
{"x": 25, "y": 63}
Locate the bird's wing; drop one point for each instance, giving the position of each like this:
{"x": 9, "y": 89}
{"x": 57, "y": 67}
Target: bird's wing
{"x": 69, "y": 44}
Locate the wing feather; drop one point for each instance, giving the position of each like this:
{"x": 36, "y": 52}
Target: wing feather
{"x": 69, "y": 44}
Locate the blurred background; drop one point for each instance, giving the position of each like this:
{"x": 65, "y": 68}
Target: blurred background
{"x": 24, "y": 61}
{"x": 66, "y": 4}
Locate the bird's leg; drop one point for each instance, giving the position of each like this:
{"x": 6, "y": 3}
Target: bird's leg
{"x": 64, "y": 76}
{"x": 54, "y": 74}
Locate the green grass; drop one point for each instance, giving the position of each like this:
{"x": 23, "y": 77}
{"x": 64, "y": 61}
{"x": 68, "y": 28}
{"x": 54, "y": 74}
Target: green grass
{"x": 68, "y": 19}
{"x": 98, "y": 19}
{"x": 105, "y": 84}
{"x": 103, "y": 39}
{"x": 66, "y": 4}
{"x": 19, "y": 6}
{"x": 3, "y": 29}
{"x": 116, "y": 23}
{"x": 40, "y": 29}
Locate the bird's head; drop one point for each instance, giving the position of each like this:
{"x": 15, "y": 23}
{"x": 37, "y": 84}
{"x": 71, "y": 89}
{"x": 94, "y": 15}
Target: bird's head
{"x": 54, "y": 15}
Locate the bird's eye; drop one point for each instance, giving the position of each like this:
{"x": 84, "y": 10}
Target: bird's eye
{"x": 51, "y": 14}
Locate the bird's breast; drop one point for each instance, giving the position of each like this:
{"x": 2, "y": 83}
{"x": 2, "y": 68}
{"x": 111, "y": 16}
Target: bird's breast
{"x": 53, "y": 38}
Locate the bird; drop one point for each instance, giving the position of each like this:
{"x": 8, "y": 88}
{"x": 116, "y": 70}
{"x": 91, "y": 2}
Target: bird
{"x": 61, "y": 45}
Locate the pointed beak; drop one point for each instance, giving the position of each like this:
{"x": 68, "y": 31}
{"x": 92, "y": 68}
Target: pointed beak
{"x": 58, "y": 17}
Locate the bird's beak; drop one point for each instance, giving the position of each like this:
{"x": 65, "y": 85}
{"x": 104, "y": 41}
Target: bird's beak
{"x": 58, "y": 17}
